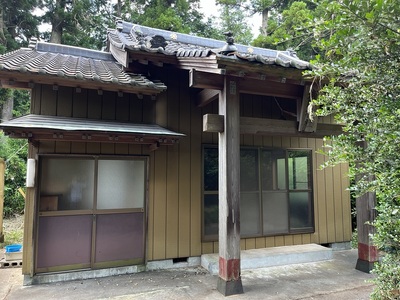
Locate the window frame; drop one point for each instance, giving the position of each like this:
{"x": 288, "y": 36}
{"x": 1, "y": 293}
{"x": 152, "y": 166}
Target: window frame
{"x": 288, "y": 191}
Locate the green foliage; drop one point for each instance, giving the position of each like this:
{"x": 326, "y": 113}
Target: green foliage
{"x": 290, "y": 30}
{"x": 360, "y": 64}
{"x": 14, "y": 152}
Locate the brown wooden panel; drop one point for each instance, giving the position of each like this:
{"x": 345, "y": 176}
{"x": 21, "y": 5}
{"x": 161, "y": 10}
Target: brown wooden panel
{"x": 94, "y": 104}
{"x": 136, "y": 109}
{"x": 279, "y": 241}
{"x": 321, "y": 213}
{"x": 48, "y": 105}
{"x": 347, "y": 226}
{"x": 36, "y": 95}
{"x": 269, "y": 241}
{"x": 64, "y": 102}
{"x": 330, "y": 205}
{"x": 122, "y": 108}
{"x": 135, "y": 149}
{"x": 47, "y": 147}
{"x": 310, "y": 143}
{"x": 107, "y": 148}
{"x": 337, "y": 194}
{"x": 160, "y": 203}
{"x": 150, "y": 208}
{"x": 168, "y": 116}
{"x": 80, "y": 103}
{"x": 149, "y": 115}
{"x": 260, "y": 242}
{"x": 78, "y": 147}
{"x": 63, "y": 147}
{"x": 195, "y": 181}
{"x": 250, "y": 243}
{"x": 207, "y": 247}
{"x": 93, "y": 148}
{"x": 108, "y": 106}
{"x": 297, "y": 240}
{"x": 288, "y": 240}
{"x": 122, "y": 149}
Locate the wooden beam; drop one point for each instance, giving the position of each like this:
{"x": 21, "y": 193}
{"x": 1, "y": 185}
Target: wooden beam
{"x": 14, "y": 85}
{"x": 229, "y": 281}
{"x": 206, "y": 96}
{"x": 213, "y": 123}
{"x": 205, "y": 80}
{"x": 268, "y": 127}
{"x": 2, "y": 172}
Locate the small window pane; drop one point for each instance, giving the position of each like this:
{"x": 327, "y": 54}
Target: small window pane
{"x": 211, "y": 215}
{"x": 66, "y": 184}
{"x": 121, "y": 184}
{"x": 300, "y": 210}
{"x": 273, "y": 170}
{"x": 249, "y": 214}
{"x": 299, "y": 170}
{"x": 210, "y": 169}
{"x": 275, "y": 212}
{"x": 249, "y": 170}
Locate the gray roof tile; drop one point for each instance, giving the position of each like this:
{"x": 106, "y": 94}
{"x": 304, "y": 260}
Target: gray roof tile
{"x": 74, "y": 63}
{"x": 141, "y": 38}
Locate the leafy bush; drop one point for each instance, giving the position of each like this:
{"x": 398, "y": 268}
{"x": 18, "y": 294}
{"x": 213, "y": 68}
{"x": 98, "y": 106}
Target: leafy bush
{"x": 14, "y": 152}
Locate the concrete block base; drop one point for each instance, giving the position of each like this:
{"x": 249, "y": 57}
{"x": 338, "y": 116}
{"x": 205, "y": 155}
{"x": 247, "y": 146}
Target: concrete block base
{"x": 269, "y": 257}
{"x": 229, "y": 288}
{"x": 170, "y": 264}
{"x": 340, "y": 246}
{"x": 364, "y": 266}
{"x": 81, "y": 275}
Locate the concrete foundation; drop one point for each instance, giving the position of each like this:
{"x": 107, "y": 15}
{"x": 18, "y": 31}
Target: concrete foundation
{"x": 269, "y": 257}
{"x": 340, "y": 246}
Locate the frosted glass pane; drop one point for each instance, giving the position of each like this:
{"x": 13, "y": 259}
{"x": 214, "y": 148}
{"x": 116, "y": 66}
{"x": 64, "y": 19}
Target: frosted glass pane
{"x": 275, "y": 212}
{"x": 121, "y": 184}
{"x": 300, "y": 210}
{"x": 249, "y": 214}
{"x": 211, "y": 215}
{"x": 69, "y": 182}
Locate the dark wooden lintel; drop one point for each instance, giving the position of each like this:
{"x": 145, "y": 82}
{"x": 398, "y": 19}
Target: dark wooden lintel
{"x": 213, "y": 81}
{"x": 259, "y": 126}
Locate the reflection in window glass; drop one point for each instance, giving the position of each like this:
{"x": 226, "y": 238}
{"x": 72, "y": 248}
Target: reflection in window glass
{"x": 248, "y": 170}
{"x": 66, "y": 184}
{"x": 121, "y": 184}
{"x": 299, "y": 170}
{"x": 211, "y": 169}
{"x": 273, "y": 170}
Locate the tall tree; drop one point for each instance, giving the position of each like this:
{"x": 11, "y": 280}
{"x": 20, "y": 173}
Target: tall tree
{"x": 360, "y": 63}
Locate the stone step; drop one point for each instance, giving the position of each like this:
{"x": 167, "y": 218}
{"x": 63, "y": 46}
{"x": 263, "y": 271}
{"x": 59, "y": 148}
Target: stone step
{"x": 274, "y": 256}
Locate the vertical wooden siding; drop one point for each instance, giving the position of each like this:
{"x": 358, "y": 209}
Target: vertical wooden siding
{"x": 175, "y": 191}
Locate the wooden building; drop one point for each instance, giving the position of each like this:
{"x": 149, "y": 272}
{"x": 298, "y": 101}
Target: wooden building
{"x": 135, "y": 147}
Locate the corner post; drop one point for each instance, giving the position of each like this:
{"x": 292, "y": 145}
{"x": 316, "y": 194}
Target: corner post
{"x": 367, "y": 251}
{"x": 229, "y": 281}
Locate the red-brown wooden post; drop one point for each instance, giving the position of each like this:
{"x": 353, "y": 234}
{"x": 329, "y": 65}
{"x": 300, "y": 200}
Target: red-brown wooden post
{"x": 229, "y": 281}
{"x": 367, "y": 252}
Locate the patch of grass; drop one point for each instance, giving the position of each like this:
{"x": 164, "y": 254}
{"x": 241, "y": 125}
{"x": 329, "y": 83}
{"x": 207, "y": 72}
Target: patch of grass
{"x": 13, "y": 229}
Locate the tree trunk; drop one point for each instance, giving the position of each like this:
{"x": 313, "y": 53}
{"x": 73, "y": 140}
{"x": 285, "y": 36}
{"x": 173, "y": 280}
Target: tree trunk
{"x": 8, "y": 106}
{"x": 57, "y": 22}
{"x": 2, "y": 26}
{"x": 264, "y": 21}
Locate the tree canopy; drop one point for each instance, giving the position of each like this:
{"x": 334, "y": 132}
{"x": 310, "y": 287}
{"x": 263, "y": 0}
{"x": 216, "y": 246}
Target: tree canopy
{"x": 359, "y": 66}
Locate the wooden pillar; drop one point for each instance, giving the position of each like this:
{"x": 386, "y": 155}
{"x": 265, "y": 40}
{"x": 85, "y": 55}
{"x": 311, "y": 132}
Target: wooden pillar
{"x": 2, "y": 172}
{"x": 367, "y": 252}
{"x": 229, "y": 281}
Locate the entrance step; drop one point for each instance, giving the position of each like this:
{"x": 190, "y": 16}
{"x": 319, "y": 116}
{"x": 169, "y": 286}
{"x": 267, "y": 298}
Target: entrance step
{"x": 270, "y": 257}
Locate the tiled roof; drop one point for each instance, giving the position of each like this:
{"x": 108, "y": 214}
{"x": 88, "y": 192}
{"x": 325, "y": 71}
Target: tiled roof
{"x": 141, "y": 38}
{"x": 73, "y": 63}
